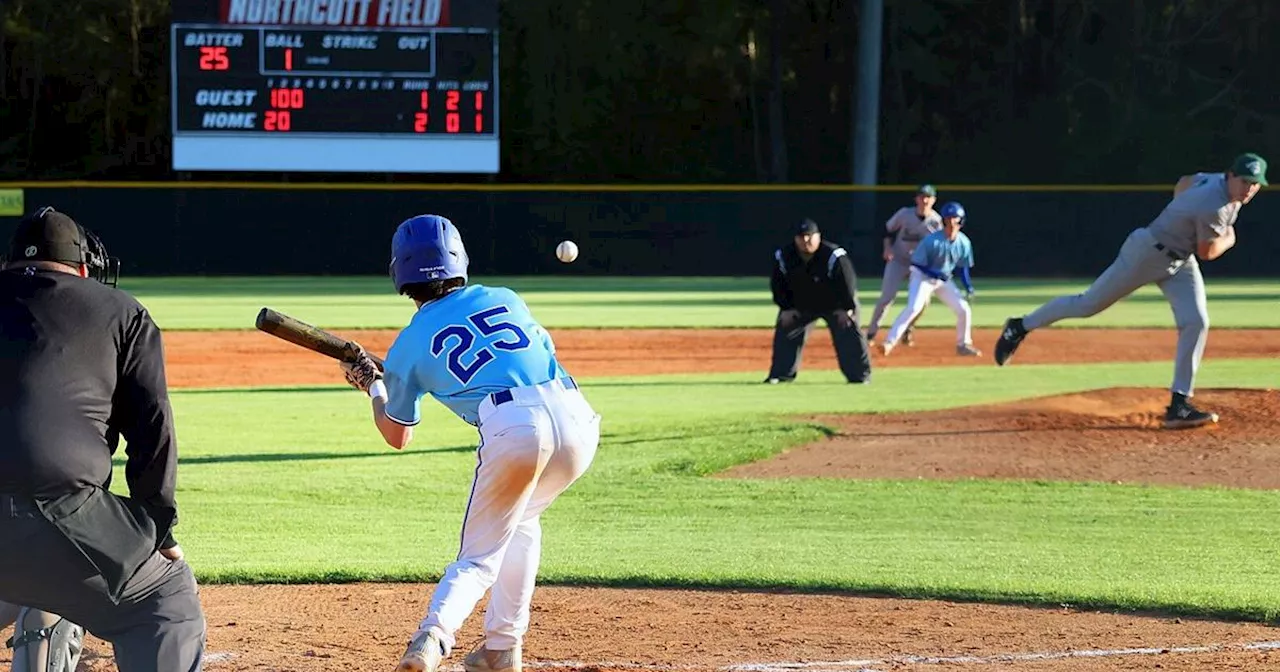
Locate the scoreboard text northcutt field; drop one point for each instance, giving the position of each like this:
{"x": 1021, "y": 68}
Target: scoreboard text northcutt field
{"x": 389, "y": 13}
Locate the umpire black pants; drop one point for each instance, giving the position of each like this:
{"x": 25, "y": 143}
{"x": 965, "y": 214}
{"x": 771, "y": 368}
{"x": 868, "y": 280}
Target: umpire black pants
{"x": 792, "y": 331}
{"x": 156, "y": 625}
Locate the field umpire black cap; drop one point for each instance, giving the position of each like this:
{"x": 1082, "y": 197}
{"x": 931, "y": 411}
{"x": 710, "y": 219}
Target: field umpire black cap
{"x": 806, "y": 225}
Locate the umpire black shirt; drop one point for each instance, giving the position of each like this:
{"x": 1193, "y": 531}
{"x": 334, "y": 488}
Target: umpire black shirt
{"x": 825, "y": 283}
{"x": 81, "y": 364}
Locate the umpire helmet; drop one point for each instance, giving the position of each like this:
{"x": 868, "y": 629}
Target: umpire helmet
{"x": 426, "y": 248}
{"x": 952, "y": 209}
{"x": 49, "y": 235}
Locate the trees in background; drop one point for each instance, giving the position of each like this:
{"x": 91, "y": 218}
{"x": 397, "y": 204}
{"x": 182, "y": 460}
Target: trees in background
{"x": 742, "y": 91}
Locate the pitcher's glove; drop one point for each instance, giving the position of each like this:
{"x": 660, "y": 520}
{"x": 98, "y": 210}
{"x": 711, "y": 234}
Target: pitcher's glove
{"x": 361, "y": 372}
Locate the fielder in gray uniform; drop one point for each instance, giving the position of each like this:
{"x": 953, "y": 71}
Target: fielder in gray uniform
{"x": 906, "y": 228}
{"x": 1198, "y": 223}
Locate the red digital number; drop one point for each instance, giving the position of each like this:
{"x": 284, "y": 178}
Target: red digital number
{"x": 276, "y": 120}
{"x": 423, "y": 98}
{"x": 287, "y": 98}
{"x": 288, "y": 59}
{"x": 214, "y": 58}
{"x": 479, "y": 123}
{"x": 479, "y": 101}
{"x": 451, "y": 100}
{"x": 452, "y": 122}
{"x": 420, "y": 122}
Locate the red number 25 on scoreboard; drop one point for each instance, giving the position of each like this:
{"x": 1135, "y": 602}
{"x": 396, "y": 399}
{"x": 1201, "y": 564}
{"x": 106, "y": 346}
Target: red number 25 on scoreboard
{"x": 213, "y": 58}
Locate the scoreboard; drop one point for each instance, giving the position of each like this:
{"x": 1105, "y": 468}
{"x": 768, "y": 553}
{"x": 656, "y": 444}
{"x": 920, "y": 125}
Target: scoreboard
{"x": 335, "y": 85}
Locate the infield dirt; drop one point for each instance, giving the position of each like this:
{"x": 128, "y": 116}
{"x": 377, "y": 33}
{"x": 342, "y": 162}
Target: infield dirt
{"x": 252, "y": 358}
{"x": 1104, "y": 435}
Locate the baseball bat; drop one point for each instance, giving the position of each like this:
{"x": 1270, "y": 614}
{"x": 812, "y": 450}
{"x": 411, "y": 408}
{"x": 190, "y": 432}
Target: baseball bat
{"x": 310, "y": 337}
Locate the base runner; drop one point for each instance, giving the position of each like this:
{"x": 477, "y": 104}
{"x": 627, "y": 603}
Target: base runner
{"x": 938, "y": 257}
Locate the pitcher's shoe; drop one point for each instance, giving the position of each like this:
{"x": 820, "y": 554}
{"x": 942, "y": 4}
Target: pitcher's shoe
{"x": 1010, "y": 338}
{"x": 968, "y": 351}
{"x": 1182, "y": 415}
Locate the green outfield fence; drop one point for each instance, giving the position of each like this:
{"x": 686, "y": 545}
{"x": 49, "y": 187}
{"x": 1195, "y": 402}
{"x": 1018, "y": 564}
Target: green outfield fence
{"x": 248, "y": 228}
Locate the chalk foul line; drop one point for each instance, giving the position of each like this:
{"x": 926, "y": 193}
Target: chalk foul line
{"x": 867, "y": 664}
{"x": 870, "y": 664}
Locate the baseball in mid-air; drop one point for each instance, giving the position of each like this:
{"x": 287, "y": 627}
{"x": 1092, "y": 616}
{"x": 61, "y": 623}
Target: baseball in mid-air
{"x": 567, "y": 251}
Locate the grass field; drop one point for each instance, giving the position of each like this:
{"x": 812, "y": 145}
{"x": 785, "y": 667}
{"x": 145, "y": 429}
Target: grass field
{"x": 296, "y": 485}
{"x": 340, "y": 302}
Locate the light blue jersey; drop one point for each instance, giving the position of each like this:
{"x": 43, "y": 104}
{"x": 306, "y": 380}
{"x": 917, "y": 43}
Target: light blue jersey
{"x": 463, "y": 347}
{"x": 939, "y": 257}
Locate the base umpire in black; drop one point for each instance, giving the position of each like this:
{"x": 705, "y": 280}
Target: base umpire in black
{"x": 812, "y": 279}
{"x": 81, "y": 365}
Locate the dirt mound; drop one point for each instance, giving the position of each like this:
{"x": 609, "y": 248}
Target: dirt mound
{"x": 1109, "y": 435}
{"x": 363, "y": 628}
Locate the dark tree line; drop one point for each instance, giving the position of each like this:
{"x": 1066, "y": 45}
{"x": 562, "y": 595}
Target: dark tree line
{"x": 742, "y": 91}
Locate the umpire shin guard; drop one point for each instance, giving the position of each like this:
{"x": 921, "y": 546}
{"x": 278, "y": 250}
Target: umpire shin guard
{"x": 44, "y": 642}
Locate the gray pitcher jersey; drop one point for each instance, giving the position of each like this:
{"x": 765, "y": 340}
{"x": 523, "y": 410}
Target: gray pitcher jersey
{"x": 1201, "y": 213}
{"x": 910, "y": 229}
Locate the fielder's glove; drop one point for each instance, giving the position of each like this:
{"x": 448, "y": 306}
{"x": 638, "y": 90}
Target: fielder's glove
{"x": 361, "y": 372}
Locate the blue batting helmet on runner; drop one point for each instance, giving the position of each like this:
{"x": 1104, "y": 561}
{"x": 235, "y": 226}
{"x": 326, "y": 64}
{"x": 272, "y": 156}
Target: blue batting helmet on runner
{"x": 425, "y": 248}
{"x": 952, "y": 209}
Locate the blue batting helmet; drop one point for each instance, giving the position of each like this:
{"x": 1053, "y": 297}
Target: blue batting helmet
{"x": 952, "y": 209}
{"x": 425, "y": 248}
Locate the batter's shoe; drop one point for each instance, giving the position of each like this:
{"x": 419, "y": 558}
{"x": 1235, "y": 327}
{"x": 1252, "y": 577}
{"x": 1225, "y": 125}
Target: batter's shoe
{"x": 776, "y": 381}
{"x": 481, "y": 659}
{"x": 1182, "y": 415}
{"x": 886, "y": 348}
{"x": 423, "y": 655}
{"x": 1010, "y": 339}
{"x": 968, "y": 351}
{"x": 909, "y": 337}
{"x": 871, "y": 335}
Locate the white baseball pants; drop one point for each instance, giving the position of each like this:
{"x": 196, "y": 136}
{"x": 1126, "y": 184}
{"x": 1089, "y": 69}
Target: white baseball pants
{"x": 922, "y": 287}
{"x": 532, "y": 449}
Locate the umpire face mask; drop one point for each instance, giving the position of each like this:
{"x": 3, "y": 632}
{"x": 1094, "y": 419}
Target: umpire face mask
{"x": 49, "y": 235}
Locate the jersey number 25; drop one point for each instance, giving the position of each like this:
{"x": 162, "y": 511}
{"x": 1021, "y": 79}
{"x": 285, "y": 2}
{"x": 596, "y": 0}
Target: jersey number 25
{"x": 464, "y": 337}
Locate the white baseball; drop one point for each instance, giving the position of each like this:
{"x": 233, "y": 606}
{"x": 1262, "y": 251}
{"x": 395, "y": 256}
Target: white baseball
{"x": 567, "y": 251}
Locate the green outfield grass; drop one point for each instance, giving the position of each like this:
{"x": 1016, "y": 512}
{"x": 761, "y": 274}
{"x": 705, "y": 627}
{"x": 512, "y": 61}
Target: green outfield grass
{"x": 578, "y": 301}
{"x": 293, "y": 486}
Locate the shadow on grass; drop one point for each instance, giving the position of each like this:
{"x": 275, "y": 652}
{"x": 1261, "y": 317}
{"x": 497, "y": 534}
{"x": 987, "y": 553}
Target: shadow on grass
{"x": 306, "y": 457}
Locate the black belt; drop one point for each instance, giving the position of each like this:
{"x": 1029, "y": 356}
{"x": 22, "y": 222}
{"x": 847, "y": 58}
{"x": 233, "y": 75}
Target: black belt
{"x": 1169, "y": 253}
{"x": 504, "y": 396}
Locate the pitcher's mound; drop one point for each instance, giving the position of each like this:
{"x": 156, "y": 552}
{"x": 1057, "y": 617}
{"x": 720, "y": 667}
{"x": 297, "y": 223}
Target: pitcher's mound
{"x": 1111, "y": 435}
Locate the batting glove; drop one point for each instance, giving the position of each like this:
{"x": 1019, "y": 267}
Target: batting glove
{"x": 362, "y": 372}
